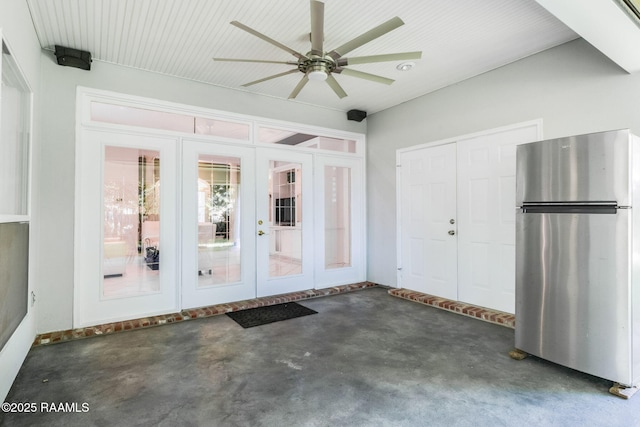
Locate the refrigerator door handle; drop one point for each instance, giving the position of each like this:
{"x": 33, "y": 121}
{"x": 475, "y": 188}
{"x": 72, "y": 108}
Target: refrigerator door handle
{"x": 583, "y": 203}
{"x": 570, "y": 208}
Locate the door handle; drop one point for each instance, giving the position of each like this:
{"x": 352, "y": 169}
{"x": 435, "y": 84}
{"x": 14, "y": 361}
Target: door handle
{"x": 261, "y": 233}
{"x": 452, "y": 232}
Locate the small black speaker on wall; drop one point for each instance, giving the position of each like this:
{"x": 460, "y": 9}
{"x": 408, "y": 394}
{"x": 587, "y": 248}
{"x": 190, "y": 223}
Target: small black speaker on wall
{"x": 73, "y": 57}
{"x": 356, "y": 115}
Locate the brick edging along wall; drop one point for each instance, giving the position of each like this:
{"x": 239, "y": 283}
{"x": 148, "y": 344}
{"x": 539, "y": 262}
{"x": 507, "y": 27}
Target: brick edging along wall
{"x": 488, "y": 315}
{"x": 482, "y": 313}
{"x": 190, "y": 314}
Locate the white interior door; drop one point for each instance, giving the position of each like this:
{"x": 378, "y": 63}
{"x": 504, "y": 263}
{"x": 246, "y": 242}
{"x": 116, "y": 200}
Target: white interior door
{"x": 126, "y": 227}
{"x": 486, "y": 216}
{"x": 218, "y": 224}
{"x": 284, "y": 221}
{"x": 470, "y": 182}
{"x": 428, "y": 248}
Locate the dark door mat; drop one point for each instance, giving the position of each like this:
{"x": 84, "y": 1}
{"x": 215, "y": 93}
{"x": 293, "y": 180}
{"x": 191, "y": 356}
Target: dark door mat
{"x": 269, "y": 314}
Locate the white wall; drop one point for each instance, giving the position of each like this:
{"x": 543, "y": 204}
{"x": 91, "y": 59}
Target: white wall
{"x": 58, "y": 148}
{"x": 573, "y": 88}
{"x": 17, "y": 30}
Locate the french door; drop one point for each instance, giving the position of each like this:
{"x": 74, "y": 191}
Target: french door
{"x": 237, "y": 222}
{"x": 126, "y": 254}
{"x": 284, "y": 221}
{"x": 218, "y": 226}
{"x": 247, "y": 223}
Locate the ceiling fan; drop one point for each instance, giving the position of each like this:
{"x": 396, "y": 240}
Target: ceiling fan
{"x": 318, "y": 64}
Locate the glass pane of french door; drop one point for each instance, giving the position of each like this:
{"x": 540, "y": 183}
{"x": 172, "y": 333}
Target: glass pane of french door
{"x": 284, "y": 220}
{"x": 131, "y": 222}
{"x": 218, "y": 216}
{"x": 337, "y": 217}
{"x": 339, "y": 221}
{"x": 126, "y": 219}
{"x": 219, "y": 187}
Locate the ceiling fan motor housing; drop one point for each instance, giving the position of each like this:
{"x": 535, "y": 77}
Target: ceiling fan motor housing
{"x": 316, "y": 67}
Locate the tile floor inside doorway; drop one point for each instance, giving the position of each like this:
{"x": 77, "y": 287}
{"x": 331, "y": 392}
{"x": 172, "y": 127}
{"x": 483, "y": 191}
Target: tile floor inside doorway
{"x": 367, "y": 358}
{"x": 223, "y": 268}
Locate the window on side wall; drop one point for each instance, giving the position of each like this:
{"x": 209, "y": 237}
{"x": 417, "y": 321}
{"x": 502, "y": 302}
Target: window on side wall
{"x": 15, "y": 112}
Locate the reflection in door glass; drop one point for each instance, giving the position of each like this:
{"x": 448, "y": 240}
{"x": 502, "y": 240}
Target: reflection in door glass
{"x": 285, "y": 219}
{"x": 218, "y": 220}
{"x": 337, "y": 217}
{"x": 131, "y": 245}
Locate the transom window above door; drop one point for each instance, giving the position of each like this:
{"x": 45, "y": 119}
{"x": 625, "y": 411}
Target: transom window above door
{"x": 292, "y": 138}
{"x": 223, "y": 127}
{"x": 163, "y": 120}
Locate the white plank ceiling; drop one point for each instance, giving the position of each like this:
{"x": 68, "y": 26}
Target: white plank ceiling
{"x": 459, "y": 39}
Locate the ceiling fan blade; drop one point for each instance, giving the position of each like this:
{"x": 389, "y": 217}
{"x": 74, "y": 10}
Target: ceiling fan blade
{"x": 268, "y": 39}
{"x": 379, "y": 58}
{"x": 363, "y": 75}
{"x": 317, "y": 27}
{"x": 299, "y": 87}
{"x": 261, "y": 61}
{"x": 372, "y": 34}
{"x": 333, "y": 83}
{"x": 271, "y": 77}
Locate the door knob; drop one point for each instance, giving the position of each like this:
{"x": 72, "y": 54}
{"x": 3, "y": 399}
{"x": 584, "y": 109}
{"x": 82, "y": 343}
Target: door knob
{"x": 260, "y": 233}
{"x": 452, "y": 232}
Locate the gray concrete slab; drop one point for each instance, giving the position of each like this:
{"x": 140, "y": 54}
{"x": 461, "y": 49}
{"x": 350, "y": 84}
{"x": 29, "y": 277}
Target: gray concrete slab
{"x": 365, "y": 359}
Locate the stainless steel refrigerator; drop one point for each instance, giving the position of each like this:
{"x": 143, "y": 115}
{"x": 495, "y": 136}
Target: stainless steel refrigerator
{"x": 578, "y": 253}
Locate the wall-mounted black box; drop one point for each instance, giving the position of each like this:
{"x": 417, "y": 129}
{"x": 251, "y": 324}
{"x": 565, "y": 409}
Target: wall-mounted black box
{"x": 73, "y": 57}
{"x": 356, "y": 115}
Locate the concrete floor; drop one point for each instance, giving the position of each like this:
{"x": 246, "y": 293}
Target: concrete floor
{"x": 365, "y": 359}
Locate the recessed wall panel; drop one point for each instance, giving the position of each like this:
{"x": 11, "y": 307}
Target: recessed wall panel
{"x": 14, "y": 280}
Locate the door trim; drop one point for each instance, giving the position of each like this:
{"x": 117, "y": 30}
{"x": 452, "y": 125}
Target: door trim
{"x": 537, "y": 122}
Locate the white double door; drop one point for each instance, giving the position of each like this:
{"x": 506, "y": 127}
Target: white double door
{"x": 260, "y": 203}
{"x": 457, "y": 218}
{"x": 235, "y": 223}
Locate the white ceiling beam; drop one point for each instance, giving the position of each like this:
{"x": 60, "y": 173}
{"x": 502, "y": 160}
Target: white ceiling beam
{"x": 605, "y": 25}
